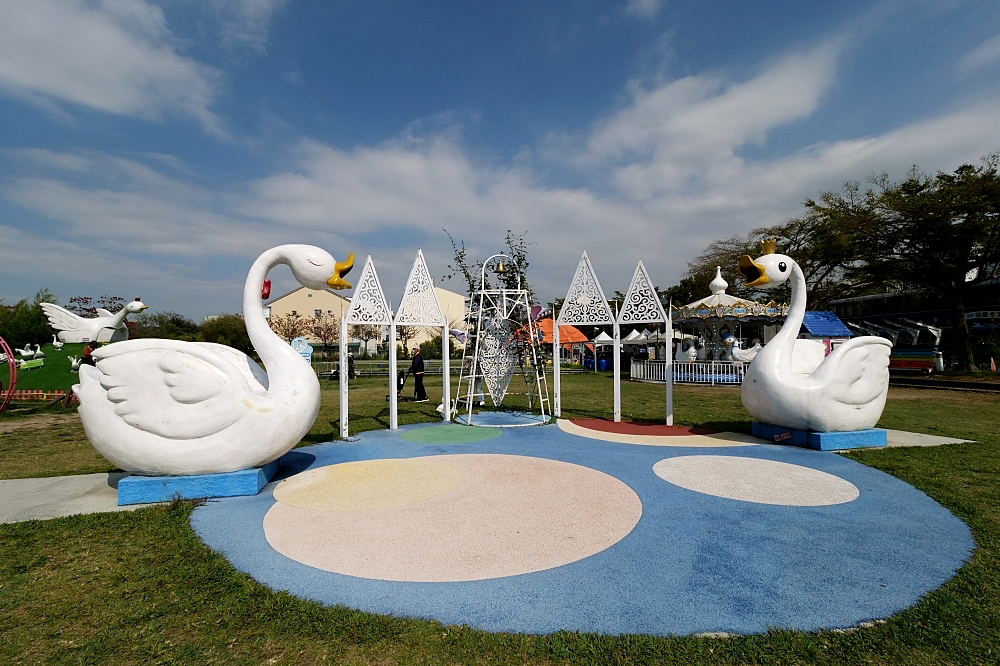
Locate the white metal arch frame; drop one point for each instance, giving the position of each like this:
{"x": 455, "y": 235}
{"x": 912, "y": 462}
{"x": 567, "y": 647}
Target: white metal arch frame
{"x": 586, "y": 304}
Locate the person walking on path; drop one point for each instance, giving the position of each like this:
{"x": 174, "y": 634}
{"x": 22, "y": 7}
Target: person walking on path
{"x": 417, "y": 370}
{"x": 350, "y": 366}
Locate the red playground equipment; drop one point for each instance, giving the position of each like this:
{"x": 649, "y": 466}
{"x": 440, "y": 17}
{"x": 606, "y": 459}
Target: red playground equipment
{"x": 11, "y": 375}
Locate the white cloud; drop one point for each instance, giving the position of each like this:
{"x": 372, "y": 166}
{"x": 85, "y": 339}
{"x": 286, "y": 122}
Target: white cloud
{"x": 987, "y": 53}
{"x": 245, "y": 22}
{"x": 114, "y": 56}
{"x": 675, "y": 131}
{"x": 667, "y": 175}
{"x": 126, "y": 206}
{"x": 643, "y": 9}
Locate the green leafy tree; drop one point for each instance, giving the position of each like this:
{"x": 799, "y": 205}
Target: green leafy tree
{"x": 24, "y": 322}
{"x": 169, "y": 325}
{"x": 229, "y": 330}
{"x": 939, "y": 235}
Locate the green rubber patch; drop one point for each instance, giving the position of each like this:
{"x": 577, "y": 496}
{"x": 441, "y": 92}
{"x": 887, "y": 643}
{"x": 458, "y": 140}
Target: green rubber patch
{"x": 450, "y": 434}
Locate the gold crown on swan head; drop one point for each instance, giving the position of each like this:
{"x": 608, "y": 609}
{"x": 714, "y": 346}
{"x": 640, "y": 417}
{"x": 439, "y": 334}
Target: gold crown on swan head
{"x": 769, "y": 246}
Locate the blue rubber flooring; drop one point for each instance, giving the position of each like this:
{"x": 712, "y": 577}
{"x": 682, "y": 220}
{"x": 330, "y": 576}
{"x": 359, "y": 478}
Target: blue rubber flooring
{"x": 694, "y": 562}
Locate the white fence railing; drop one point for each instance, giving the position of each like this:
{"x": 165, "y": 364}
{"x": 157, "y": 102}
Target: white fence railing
{"x": 690, "y": 372}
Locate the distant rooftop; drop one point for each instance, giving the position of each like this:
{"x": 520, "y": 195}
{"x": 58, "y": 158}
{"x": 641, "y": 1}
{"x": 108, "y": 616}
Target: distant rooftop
{"x": 824, "y": 324}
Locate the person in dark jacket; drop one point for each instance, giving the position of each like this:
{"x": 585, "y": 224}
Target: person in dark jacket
{"x": 417, "y": 370}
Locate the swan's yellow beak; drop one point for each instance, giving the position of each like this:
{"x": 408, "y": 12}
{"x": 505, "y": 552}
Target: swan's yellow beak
{"x": 755, "y": 274}
{"x": 339, "y": 271}
{"x": 144, "y": 307}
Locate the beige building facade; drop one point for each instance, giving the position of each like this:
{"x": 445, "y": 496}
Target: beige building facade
{"x": 312, "y": 304}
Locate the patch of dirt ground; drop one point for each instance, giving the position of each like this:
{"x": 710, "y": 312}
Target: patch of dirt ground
{"x": 37, "y": 421}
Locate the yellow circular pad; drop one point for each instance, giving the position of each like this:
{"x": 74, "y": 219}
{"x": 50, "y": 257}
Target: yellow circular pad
{"x": 368, "y": 485}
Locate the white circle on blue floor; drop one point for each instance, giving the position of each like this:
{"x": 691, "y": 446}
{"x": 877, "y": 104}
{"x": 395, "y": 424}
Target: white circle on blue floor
{"x": 756, "y": 480}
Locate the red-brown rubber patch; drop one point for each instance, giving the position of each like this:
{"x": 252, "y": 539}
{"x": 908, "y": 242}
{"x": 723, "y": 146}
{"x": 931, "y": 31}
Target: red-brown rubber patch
{"x": 627, "y": 428}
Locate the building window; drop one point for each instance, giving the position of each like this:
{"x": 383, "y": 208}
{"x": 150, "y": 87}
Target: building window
{"x": 294, "y": 313}
{"x": 317, "y": 313}
{"x": 309, "y": 295}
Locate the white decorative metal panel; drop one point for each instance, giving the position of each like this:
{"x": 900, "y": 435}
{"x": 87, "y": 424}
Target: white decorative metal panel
{"x": 585, "y": 302}
{"x": 497, "y": 356}
{"x": 419, "y": 305}
{"x": 641, "y": 302}
{"x": 368, "y": 305}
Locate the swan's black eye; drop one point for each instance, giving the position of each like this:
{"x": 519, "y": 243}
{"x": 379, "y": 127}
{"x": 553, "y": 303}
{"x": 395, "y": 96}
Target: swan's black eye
{"x": 782, "y": 267}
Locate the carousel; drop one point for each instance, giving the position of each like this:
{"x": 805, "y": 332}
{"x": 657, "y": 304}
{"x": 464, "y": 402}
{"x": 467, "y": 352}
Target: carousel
{"x": 714, "y": 337}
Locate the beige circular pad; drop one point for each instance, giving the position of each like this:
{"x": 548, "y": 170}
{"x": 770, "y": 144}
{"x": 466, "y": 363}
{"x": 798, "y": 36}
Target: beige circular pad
{"x": 448, "y": 518}
{"x": 756, "y": 480}
{"x": 368, "y": 484}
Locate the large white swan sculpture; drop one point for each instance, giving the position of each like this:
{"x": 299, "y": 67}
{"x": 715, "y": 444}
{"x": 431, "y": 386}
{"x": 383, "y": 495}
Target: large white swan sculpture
{"x": 789, "y": 385}
{"x": 160, "y": 407}
{"x": 105, "y": 327}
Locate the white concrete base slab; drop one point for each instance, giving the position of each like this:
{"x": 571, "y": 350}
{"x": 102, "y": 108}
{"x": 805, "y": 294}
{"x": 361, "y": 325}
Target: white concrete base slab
{"x": 58, "y": 496}
{"x": 904, "y": 438}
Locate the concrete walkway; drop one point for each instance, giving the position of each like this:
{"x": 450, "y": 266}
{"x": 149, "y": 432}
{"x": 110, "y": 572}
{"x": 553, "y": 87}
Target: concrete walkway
{"x": 903, "y": 438}
{"x": 58, "y": 496}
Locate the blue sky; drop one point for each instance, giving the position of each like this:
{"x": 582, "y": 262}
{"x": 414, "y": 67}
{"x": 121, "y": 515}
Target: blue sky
{"x": 155, "y": 148}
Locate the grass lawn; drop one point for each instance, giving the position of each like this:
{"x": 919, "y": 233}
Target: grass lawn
{"x": 55, "y": 374}
{"x": 137, "y": 588}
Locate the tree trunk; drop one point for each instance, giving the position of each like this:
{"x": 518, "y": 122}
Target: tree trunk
{"x": 962, "y": 347}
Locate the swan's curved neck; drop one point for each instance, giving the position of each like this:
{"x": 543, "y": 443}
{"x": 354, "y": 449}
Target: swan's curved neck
{"x": 796, "y": 313}
{"x": 119, "y": 318}
{"x": 278, "y": 356}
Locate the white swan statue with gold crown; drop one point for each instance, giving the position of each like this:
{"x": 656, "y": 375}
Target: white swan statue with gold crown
{"x": 791, "y": 384}
{"x": 166, "y": 407}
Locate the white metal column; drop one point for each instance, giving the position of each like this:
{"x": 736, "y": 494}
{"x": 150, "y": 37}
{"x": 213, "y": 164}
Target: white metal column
{"x": 446, "y": 376}
{"x": 393, "y": 382}
{"x": 618, "y": 371}
{"x": 556, "y": 363}
{"x": 343, "y": 378}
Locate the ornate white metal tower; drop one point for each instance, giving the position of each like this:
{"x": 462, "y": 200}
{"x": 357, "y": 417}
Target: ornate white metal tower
{"x": 506, "y": 343}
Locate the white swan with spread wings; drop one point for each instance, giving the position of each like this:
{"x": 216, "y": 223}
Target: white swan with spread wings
{"x": 159, "y": 407}
{"x": 105, "y": 327}
{"x": 788, "y": 385}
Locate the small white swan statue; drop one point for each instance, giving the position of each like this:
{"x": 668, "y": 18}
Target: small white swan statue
{"x": 161, "y": 407}
{"x": 792, "y": 386}
{"x": 57, "y": 343}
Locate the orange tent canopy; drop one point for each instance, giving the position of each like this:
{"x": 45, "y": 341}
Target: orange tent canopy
{"x": 568, "y": 335}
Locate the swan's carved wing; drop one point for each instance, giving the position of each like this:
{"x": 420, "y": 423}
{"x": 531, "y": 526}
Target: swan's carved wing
{"x": 101, "y": 312}
{"x": 173, "y": 389}
{"x": 62, "y": 319}
{"x": 253, "y": 373}
{"x": 857, "y": 372}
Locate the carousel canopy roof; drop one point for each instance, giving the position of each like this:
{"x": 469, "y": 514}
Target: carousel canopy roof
{"x": 721, "y": 305}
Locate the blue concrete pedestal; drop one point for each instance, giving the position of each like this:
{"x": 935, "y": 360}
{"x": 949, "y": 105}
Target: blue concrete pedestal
{"x": 146, "y": 489}
{"x": 821, "y": 441}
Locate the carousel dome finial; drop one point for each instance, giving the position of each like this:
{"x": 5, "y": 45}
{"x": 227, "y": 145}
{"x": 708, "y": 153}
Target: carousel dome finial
{"x": 718, "y": 285}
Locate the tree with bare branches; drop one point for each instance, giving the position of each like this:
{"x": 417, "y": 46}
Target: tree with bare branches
{"x": 326, "y": 329}
{"x": 288, "y": 326}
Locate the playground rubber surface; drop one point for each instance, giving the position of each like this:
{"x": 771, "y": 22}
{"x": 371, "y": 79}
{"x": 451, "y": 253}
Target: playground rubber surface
{"x": 538, "y": 530}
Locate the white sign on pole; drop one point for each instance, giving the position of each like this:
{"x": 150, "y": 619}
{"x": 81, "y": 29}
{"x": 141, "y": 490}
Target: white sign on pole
{"x": 585, "y": 304}
{"x": 418, "y": 307}
{"x": 368, "y": 308}
{"x": 642, "y": 306}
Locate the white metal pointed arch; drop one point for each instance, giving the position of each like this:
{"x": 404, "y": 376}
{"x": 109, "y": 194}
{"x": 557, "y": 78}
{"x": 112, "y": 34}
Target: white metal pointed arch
{"x": 368, "y": 305}
{"x": 641, "y": 303}
{"x": 419, "y": 305}
{"x": 585, "y": 302}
